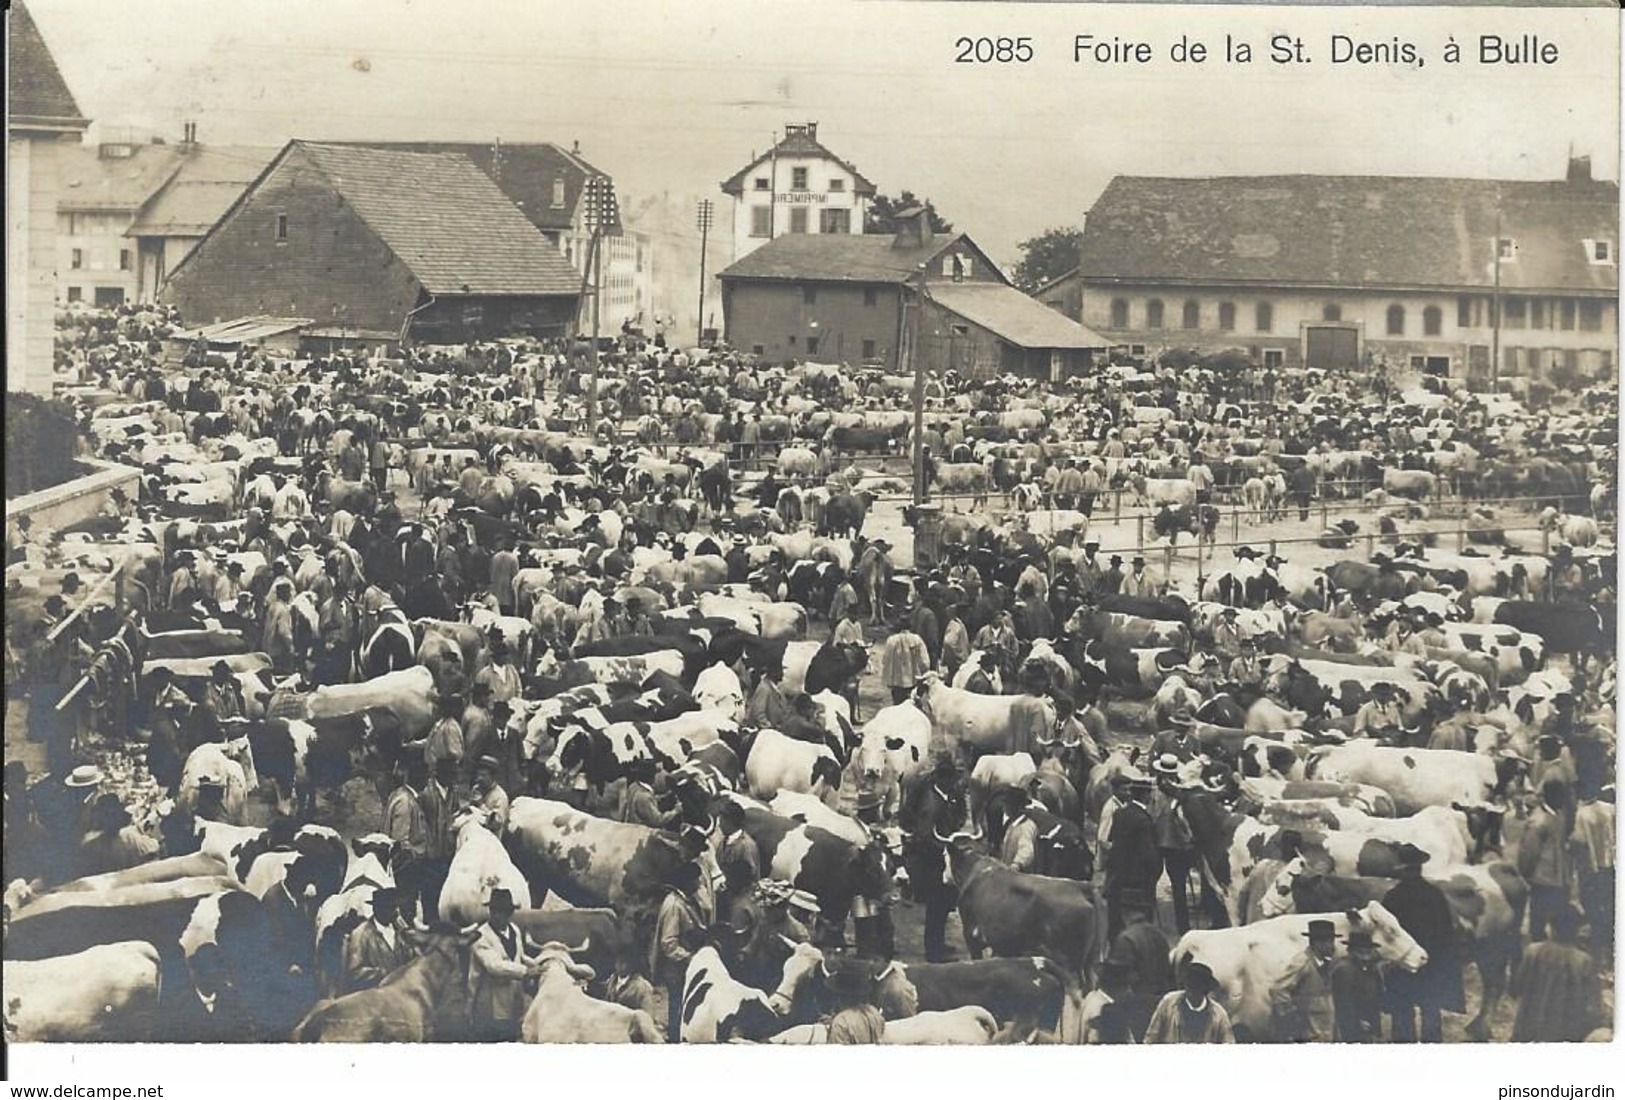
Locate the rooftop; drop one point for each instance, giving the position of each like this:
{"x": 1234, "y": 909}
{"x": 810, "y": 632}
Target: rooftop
{"x": 798, "y": 141}
{"x": 37, "y": 96}
{"x": 445, "y": 220}
{"x": 208, "y": 180}
{"x": 1412, "y": 232}
{"x": 1014, "y": 317}
{"x": 837, "y": 257}
{"x": 90, "y": 181}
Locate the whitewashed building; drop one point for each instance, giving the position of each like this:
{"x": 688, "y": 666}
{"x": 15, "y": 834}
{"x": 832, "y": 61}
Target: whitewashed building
{"x": 797, "y": 186}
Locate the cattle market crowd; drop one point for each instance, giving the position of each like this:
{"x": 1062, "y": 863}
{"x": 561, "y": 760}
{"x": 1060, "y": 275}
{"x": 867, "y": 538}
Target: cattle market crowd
{"x": 411, "y": 699}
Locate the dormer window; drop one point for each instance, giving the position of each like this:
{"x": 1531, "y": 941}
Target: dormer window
{"x": 1600, "y": 252}
{"x": 558, "y": 194}
{"x": 837, "y": 185}
{"x": 1506, "y": 249}
{"x": 759, "y": 183}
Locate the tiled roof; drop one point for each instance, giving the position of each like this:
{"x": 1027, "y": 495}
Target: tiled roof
{"x": 1380, "y": 231}
{"x": 836, "y": 257}
{"x": 1013, "y": 316}
{"x": 445, "y": 220}
{"x": 90, "y": 181}
{"x": 525, "y": 172}
{"x": 37, "y": 96}
{"x": 797, "y": 143}
{"x": 210, "y": 178}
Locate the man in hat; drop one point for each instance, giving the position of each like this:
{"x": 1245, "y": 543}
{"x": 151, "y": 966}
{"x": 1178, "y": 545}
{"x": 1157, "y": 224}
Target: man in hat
{"x": 1301, "y": 998}
{"x": 479, "y": 725}
{"x": 767, "y": 707}
{"x": 1191, "y": 1015}
{"x": 1174, "y": 841}
{"x": 1558, "y": 987}
{"x": 1380, "y": 716}
{"x": 1019, "y": 851}
{"x": 1594, "y": 853}
{"x": 1357, "y": 991}
{"x": 1132, "y": 860}
{"x": 113, "y": 843}
{"x": 1106, "y": 1015}
{"x": 489, "y": 794}
{"x": 1145, "y": 951}
{"x": 1227, "y": 635}
{"x": 933, "y": 808}
{"x": 679, "y": 927}
{"x": 223, "y": 697}
{"x": 374, "y": 949}
{"x": 228, "y": 583}
{"x": 1544, "y": 856}
{"x": 639, "y": 805}
{"x": 738, "y": 857}
{"x": 1089, "y": 568}
{"x": 1247, "y": 671}
{"x": 903, "y": 660}
{"x": 984, "y": 678}
{"x": 502, "y": 960}
{"x": 403, "y": 814}
{"x": 1424, "y": 912}
{"x": 1139, "y": 581}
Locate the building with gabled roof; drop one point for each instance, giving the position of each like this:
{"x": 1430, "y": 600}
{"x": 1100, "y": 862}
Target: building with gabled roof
{"x": 382, "y": 243}
{"x": 104, "y": 183}
{"x": 40, "y": 113}
{"x": 861, "y": 299}
{"x": 796, "y": 187}
{"x": 173, "y": 218}
{"x": 1431, "y": 273}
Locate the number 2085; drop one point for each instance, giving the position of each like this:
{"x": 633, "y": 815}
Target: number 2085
{"x": 981, "y": 51}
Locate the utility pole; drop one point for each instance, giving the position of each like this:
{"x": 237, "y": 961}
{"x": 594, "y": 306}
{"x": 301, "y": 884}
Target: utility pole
{"x": 912, "y": 346}
{"x": 1495, "y": 301}
{"x": 704, "y": 223}
{"x": 599, "y": 213}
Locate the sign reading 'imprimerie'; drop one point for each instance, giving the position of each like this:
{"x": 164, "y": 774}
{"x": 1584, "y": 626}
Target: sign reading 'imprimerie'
{"x": 800, "y": 197}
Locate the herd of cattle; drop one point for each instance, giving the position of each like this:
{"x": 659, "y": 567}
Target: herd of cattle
{"x": 247, "y": 464}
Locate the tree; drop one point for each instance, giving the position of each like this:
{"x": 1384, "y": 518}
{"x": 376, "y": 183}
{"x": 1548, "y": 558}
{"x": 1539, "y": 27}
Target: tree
{"x": 883, "y": 211}
{"x": 1047, "y": 256}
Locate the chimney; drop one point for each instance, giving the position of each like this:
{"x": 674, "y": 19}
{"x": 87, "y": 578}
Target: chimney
{"x": 913, "y": 228}
{"x": 575, "y": 148}
{"x": 812, "y": 131}
{"x": 1579, "y": 169}
{"x": 188, "y": 136}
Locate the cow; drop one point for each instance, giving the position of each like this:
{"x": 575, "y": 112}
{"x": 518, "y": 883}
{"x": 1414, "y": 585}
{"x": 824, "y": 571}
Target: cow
{"x": 1372, "y": 800}
{"x": 1176, "y": 492}
{"x": 1487, "y": 900}
{"x": 811, "y": 858}
{"x": 974, "y": 724}
{"x": 1318, "y": 629}
{"x": 104, "y": 994}
{"x": 776, "y": 761}
{"x": 480, "y": 864}
{"x": 961, "y": 479}
{"x": 1570, "y": 628}
{"x": 562, "y": 1013}
{"x": 1370, "y": 583}
{"x": 717, "y": 1008}
{"x": 586, "y": 860}
{"x": 844, "y": 514}
{"x": 1249, "y": 961}
{"x": 1120, "y": 630}
{"x": 1024, "y": 994}
{"x": 620, "y": 670}
{"x": 368, "y": 871}
{"x": 1014, "y": 914}
{"x": 1410, "y": 484}
{"x": 797, "y": 806}
{"x": 408, "y": 696}
{"x": 1416, "y": 778}
{"x": 900, "y": 735}
{"x": 967, "y": 1026}
{"x": 424, "y": 1001}
{"x": 1134, "y": 671}
{"x": 597, "y": 933}
{"x": 833, "y": 666}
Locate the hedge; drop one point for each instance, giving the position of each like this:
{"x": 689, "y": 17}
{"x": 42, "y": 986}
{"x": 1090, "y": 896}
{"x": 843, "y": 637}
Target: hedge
{"x": 40, "y": 439}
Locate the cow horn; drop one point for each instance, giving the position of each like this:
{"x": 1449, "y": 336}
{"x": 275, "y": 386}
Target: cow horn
{"x": 579, "y": 948}
{"x": 467, "y": 929}
{"x": 823, "y": 968}
{"x": 787, "y": 941}
{"x": 886, "y": 973}
{"x": 940, "y": 838}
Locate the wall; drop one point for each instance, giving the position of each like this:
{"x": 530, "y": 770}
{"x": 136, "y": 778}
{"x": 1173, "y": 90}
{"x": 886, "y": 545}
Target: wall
{"x": 331, "y": 268}
{"x": 778, "y": 317}
{"x": 459, "y": 320}
{"x": 77, "y": 500}
{"x": 99, "y": 238}
{"x": 31, "y": 196}
{"x": 817, "y": 197}
{"x": 1368, "y": 309}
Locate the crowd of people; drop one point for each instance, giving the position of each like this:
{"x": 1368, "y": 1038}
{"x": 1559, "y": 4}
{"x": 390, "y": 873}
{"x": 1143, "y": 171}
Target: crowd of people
{"x": 318, "y": 513}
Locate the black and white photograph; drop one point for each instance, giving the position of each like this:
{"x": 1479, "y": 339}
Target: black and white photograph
{"x": 852, "y": 523}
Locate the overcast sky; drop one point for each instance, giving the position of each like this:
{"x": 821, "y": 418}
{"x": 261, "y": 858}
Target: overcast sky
{"x": 676, "y": 96}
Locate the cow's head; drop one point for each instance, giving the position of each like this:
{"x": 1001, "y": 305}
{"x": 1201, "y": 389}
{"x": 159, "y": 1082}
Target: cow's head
{"x": 1394, "y": 944}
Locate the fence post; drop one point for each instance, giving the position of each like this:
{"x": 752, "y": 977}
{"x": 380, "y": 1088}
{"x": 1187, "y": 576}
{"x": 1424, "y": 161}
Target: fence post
{"x": 1370, "y": 545}
{"x": 1324, "y": 520}
{"x": 1272, "y": 548}
{"x": 1235, "y": 524}
{"x": 1117, "y": 506}
{"x": 1139, "y": 533}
